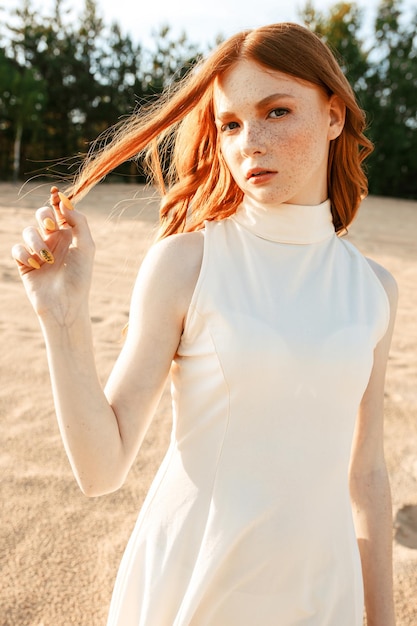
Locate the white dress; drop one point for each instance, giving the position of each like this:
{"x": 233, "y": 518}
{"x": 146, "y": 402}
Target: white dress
{"x": 248, "y": 521}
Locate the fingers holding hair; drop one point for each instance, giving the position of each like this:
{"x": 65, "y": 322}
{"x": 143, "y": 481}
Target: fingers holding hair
{"x": 68, "y": 218}
{"x": 34, "y": 251}
{"x": 58, "y": 226}
{"x": 61, "y": 204}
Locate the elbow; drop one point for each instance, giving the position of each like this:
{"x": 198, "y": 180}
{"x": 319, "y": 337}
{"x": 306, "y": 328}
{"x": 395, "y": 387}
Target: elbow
{"x": 97, "y": 488}
{"x": 370, "y": 490}
{"x": 370, "y": 480}
{"x": 93, "y": 492}
{"x": 99, "y": 476}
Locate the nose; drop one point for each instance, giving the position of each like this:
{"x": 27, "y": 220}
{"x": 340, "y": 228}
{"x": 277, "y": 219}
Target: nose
{"x": 253, "y": 140}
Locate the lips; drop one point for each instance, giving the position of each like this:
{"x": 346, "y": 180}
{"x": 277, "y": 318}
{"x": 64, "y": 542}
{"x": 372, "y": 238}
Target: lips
{"x": 258, "y": 172}
{"x": 258, "y": 175}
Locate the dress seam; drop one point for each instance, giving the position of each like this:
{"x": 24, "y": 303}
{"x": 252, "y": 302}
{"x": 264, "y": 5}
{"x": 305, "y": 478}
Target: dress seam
{"x": 183, "y": 609}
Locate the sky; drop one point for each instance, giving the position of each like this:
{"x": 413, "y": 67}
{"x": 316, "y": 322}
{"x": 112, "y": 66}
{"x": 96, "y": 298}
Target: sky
{"x": 202, "y": 21}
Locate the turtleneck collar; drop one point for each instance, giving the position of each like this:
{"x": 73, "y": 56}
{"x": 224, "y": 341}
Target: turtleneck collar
{"x": 286, "y": 223}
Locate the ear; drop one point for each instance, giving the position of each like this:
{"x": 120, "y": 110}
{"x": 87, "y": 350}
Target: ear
{"x": 337, "y": 113}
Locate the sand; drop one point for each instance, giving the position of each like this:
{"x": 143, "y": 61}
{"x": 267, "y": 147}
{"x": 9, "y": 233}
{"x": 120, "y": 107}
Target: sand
{"x": 59, "y": 550}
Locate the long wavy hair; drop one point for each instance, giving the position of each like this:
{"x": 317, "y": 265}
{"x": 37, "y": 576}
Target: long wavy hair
{"x": 178, "y": 139}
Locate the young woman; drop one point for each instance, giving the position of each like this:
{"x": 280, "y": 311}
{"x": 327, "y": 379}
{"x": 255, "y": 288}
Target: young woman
{"x": 272, "y": 505}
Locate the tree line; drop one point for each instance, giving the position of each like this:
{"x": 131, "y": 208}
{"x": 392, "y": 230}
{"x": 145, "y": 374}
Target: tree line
{"x": 63, "y": 81}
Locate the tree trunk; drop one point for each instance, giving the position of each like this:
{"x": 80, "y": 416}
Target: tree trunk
{"x": 16, "y": 151}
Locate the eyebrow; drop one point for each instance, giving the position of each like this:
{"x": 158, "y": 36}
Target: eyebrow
{"x": 261, "y": 104}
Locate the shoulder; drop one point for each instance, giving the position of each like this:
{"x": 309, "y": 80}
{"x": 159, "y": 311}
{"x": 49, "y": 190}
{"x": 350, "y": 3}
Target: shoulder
{"x": 387, "y": 280}
{"x": 178, "y": 254}
{"x": 389, "y": 284}
{"x": 170, "y": 270}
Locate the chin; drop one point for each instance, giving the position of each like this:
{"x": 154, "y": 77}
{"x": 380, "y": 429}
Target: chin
{"x": 269, "y": 199}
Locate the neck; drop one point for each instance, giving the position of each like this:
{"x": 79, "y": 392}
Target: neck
{"x": 287, "y": 223}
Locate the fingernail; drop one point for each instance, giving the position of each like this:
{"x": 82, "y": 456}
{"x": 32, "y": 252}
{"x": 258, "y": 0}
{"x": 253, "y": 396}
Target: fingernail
{"x": 47, "y": 256}
{"x": 49, "y": 224}
{"x": 65, "y": 201}
{"x": 54, "y": 189}
{"x": 33, "y": 263}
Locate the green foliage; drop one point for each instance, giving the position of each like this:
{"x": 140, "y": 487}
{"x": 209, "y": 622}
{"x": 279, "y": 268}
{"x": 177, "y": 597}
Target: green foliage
{"x": 384, "y": 76}
{"x": 391, "y": 98}
{"x": 340, "y": 31}
{"x": 72, "y": 79}
{"x": 63, "y": 81}
{"x": 21, "y": 106}
{"x": 170, "y": 60}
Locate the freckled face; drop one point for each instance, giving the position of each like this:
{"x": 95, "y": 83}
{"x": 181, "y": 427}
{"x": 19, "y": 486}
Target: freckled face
{"x": 274, "y": 132}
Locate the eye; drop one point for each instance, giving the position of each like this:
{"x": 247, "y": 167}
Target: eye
{"x": 229, "y": 126}
{"x": 280, "y": 112}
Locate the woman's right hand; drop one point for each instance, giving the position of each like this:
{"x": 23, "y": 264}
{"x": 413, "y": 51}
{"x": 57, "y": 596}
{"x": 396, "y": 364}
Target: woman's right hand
{"x": 55, "y": 261}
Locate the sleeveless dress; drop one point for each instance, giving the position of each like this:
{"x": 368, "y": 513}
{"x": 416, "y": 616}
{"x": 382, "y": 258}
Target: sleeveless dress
{"x": 248, "y": 521}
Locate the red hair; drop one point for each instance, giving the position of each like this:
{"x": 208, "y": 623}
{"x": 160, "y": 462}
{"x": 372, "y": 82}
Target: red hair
{"x": 180, "y": 129}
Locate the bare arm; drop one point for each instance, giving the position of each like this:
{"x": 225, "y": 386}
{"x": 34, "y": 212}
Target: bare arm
{"x": 102, "y": 430}
{"x": 369, "y": 484}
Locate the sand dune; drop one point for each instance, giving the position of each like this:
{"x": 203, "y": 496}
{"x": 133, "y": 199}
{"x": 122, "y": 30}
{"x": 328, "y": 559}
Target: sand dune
{"x": 60, "y": 550}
